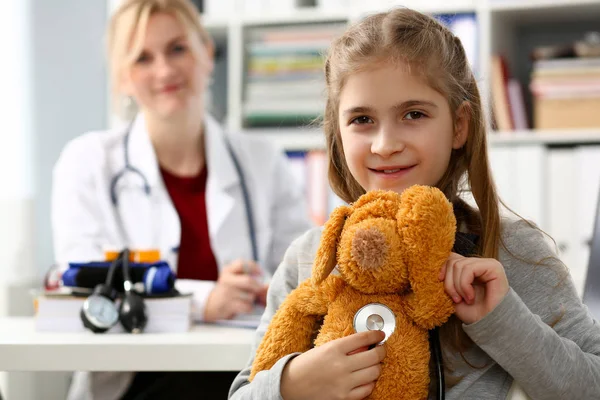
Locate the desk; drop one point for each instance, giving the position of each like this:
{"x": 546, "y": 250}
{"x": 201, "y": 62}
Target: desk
{"x": 204, "y": 348}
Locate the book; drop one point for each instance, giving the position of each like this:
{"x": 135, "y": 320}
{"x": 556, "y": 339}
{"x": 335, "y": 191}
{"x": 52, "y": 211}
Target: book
{"x": 58, "y": 311}
{"x": 500, "y": 100}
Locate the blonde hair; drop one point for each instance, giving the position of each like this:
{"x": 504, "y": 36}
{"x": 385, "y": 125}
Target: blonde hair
{"x": 433, "y": 53}
{"x": 127, "y": 28}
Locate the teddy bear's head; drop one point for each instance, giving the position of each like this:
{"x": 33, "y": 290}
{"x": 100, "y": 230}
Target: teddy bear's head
{"x": 370, "y": 240}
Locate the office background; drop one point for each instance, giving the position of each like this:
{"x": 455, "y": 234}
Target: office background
{"x": 55, "y": 87}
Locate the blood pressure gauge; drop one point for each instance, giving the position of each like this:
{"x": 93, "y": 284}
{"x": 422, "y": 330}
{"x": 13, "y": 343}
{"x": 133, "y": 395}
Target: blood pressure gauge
{"x": 99, "y": 313}
{"x": 375, "y": 317}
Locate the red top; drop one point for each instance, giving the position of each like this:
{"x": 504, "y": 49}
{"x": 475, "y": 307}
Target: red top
{"x": 196, "y": 259}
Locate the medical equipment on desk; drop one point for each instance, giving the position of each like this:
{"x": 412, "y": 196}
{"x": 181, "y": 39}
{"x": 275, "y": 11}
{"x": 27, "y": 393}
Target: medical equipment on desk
{"x": 148, "y": 278}
{"x": 100, "y": 311}
{"x": 146, "y": 187}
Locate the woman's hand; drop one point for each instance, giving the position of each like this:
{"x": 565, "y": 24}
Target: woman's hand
{"x": 235, "y": 291}
{"x": 477, "y": 285}
{"x": 340, "y": 369}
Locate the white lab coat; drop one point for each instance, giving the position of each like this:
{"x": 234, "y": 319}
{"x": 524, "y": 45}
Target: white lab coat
{"x": 85, "y": 222}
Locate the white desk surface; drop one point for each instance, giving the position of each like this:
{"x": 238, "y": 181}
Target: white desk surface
{"x": 204, "y": 348}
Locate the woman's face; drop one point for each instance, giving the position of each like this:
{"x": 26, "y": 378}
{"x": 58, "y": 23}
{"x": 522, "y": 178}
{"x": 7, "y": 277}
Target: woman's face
{"x": 172, "y": 70}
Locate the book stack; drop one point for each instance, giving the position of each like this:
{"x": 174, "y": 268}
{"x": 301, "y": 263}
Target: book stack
{"x": 566, "y": 93}
{"x": 58, "y": 311}
{"x": 508, "y": 102}
{"x": 285, "y": 81}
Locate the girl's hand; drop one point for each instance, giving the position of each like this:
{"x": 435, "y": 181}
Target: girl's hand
{"x": 235, "y": 291}
{"x": 340, "y": 369}
{"x": 477, "y": 285}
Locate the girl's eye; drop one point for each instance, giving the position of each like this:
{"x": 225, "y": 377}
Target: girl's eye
{"x": 414, "y": 115}
{"x": 362, "y": 120}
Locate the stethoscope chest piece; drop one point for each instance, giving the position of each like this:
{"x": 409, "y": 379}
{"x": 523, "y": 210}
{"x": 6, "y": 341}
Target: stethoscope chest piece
{"x": 375, "y": 317}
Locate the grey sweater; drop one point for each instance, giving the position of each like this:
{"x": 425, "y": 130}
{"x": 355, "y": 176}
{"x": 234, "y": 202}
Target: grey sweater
{"x": 514, "y": 341}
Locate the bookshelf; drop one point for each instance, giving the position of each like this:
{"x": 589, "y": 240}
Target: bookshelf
{"x": 503, "y": 27}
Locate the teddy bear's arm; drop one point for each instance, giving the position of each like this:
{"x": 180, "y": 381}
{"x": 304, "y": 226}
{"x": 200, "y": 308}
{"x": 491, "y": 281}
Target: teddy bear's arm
{"x": 427, "y": 225}
{"x": 293, "y": 326}
{"x": 429, "y": 305}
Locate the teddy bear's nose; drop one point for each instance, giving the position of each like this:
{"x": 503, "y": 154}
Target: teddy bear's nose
{"x": 369, "y": 248}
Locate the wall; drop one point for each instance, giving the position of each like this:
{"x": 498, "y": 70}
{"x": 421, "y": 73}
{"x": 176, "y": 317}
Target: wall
{"x": 54, "y": 87}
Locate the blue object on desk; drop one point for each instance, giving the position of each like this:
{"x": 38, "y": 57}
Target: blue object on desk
{"x": 157, "y": 277}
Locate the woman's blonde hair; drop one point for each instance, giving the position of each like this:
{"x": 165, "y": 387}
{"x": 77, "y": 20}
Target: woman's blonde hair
{"x": 127, "y": 28}
{"x": 434, "y": 54}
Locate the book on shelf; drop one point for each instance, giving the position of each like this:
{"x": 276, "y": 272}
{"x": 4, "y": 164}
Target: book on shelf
{"x": 58, "y": 311}
{"x": 516, "y": 102}
{"x": 566, "y": 93}
{"x": 501, "y": 111}
{"x": 284, "y": 83}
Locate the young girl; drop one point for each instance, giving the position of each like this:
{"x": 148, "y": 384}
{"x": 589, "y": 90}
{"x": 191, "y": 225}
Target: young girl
{"x": 404, "y": 108}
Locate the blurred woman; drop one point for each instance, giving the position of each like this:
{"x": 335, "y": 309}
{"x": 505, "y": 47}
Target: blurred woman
{"x": 222, "y": 207}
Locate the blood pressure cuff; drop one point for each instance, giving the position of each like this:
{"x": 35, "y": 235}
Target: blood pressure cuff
{"x": 156, "y": 277}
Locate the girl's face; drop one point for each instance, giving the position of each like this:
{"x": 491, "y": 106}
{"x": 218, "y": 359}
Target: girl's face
{"x": 172, "y": 70}
{"x": 396, "y": 130}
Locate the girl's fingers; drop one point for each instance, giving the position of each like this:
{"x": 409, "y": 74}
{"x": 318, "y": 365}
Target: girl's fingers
{"x": 442, "y": 273}
{"x": 466, "y": 284}
{"x": 456, "y": 278}
{"x": 365, "y": 375}
{"x": 449, "y": 282}
{"x": 452, "y": 257}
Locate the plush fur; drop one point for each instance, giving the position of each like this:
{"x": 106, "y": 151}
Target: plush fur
{"x": 388, "y": 249}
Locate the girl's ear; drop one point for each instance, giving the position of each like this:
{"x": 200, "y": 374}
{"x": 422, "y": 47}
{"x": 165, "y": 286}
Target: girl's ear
{"x": 326, "y": 257}
{"x": 462, "y": 121}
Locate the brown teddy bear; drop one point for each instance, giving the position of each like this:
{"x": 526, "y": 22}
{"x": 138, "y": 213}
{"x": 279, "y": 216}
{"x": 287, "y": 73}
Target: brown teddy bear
{"x": 389, "y": 249}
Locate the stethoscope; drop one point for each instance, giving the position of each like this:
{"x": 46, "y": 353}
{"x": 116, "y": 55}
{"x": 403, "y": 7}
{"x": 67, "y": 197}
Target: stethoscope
{"x": 245, "y": 194}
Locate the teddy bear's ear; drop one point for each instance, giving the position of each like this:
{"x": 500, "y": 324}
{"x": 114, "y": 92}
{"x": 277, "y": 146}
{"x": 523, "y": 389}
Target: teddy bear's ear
{"x": 325, "y": 259}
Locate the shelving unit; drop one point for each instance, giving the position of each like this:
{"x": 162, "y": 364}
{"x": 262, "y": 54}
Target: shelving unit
{"x": 499, "y": 24}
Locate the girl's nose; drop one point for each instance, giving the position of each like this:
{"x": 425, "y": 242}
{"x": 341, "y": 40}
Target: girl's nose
{"x": 387, "y": 142}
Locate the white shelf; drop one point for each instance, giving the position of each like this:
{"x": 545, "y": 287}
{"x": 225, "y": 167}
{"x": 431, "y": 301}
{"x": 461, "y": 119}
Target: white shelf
{"x": 292, "y": 139}
{"x": 567, "y": 137}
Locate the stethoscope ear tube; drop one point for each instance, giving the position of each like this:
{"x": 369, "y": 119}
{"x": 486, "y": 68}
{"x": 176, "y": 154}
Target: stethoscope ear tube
{"x": 436, "y": 352}
{"x": 236, "y": 163}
